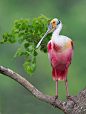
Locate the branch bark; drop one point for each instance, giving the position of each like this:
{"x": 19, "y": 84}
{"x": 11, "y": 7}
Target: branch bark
{"x": 68, "y": 107}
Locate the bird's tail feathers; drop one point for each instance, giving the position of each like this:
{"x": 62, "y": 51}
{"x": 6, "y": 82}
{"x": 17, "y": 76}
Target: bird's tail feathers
{"x": 59, "y": 75}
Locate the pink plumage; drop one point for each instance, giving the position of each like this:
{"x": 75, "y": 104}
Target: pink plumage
{"x": 60, "y": 60}
{"x": 60, "y": 53}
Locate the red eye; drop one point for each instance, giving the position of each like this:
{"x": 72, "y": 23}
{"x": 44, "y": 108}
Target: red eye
{"x": 53, "y": 22}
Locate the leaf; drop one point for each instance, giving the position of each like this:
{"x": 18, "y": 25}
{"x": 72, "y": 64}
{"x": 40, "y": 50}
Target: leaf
{"x": 29, "y": 35}
{"x": 27, "y": 62}
{"x": 12, "y": 38}
{"x": 2, "y": 42}
{"x": 16, "y": 21}
{"x": 24, "y": 36}
{"x": 21, "y": 33}
{"x": 45, "y": 50}
{"x": 33, "y": 67}
{"x": 31, "y": 47}
{"x": 5, "y": 36}
{"x": 18, "y": 53}
{"x": 26, "y": 55}
{"x": 26, "y": 45}
{"x": 16, "y": 31}
{"x": 24, "y": 25}
{"x": 34, "y": 60}
{"x": 30, "y": 53}
{"x": 28, "y": 69}
{"x": 35, "y": 53}
{"x": 22, "y": 53}
{"x": 20, "y": 41}
{"x": 17, "y": 24}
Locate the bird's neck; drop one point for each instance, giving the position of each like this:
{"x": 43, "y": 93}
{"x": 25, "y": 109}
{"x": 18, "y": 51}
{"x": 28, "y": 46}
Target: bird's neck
{"x": 57, "y": 31}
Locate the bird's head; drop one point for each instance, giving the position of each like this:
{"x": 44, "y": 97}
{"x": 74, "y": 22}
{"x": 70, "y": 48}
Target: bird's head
{"x": 54, "y": 24}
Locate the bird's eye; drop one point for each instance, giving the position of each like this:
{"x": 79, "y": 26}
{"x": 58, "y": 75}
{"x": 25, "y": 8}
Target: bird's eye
{"x": 53, "y": 22}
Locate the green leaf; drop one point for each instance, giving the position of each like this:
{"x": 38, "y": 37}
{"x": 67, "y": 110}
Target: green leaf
{"x": 26, "y": 45}
{"x": 2, "y": 42}
{"x": 24, "y": 25}
{"x": 30, "y": 53}
{"x": 15, "y": 31}
{"x": 29, "y": 35}
{"x": 5, "y": 36}
{"x": 17, "y": 24}
{"x": 33, "y": 67}
{"x": 21, "y": 33}
{"x": 20, "y": 41}
{"x": 31, "y": 47}
{"x": 28, "y": 69}
{"x": 25, "y": 36}
{"x": 18, "y": 53}
{"x": 12, "y": 38}
{"x": 45, "y": 50}
{"x": 27, "y": 62}
{"x": 26, "y": 55}
{"x": 22, "y": 53}
{"x": 34, "y": 20}
{"x": 34, "y": 60}
{"x": 16, "y": 21}
{"x": 35, "y": 53}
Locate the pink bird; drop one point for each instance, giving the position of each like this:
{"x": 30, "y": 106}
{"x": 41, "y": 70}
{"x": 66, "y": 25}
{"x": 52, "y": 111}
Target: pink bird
{"x": 60, "y": 53}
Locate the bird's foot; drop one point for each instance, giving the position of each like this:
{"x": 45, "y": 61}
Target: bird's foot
{"x": 56, "y": 98}
{"x": 54, "y": 104}
{"x": 69, "y": 97}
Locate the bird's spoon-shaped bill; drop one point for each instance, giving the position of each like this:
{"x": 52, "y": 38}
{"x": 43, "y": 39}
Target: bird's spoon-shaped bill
{"x": 48, "y": 31}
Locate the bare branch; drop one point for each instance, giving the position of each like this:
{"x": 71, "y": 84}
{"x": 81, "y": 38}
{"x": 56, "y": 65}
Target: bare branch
{"x": 68, "y": 107}
{"x": 30, "y": 87}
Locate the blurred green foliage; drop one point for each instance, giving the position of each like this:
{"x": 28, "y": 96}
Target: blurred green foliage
{"x": 14, "y": 99}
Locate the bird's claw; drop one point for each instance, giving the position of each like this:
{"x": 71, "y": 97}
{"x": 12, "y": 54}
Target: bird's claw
{"x": 69, "y": 97}
{"x": 56, "y": 97}
{"x": 54, "y": 104}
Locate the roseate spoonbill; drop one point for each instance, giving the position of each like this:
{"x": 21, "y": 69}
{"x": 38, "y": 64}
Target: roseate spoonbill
{"x": 60, "y": 53}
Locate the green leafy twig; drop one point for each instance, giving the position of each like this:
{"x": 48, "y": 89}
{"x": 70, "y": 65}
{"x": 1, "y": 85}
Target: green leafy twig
{"x": 28, "y": 32}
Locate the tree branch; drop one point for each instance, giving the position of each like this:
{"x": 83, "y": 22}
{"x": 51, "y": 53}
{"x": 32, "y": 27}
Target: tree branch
{"x": 68, "y": 107}
{"x": 29, "y": 86}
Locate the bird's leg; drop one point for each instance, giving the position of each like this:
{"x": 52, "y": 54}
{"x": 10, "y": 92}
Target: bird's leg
{"x": 66, "y": 87}
{"x": 68, "y": 96}
{"x": 56, "y": 96}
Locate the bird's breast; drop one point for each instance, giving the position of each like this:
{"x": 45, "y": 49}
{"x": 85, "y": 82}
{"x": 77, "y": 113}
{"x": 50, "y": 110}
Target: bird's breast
{"x": 60, "y": 56}
{"x": 60, "y": 47}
